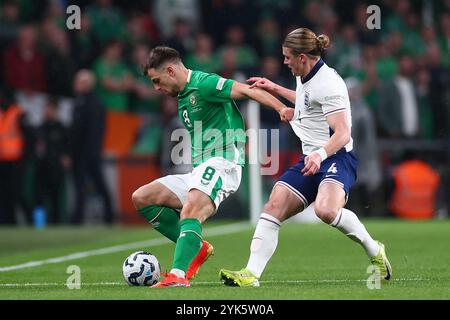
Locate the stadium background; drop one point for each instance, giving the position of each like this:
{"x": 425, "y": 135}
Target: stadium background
{"x": 398, "y": 78}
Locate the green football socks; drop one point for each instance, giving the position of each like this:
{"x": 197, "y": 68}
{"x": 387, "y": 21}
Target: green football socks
{"x": 188, "y": 243}
{"x": 164, "y": 220}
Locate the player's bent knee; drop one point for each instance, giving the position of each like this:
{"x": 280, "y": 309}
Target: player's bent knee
{"x": 142, "y": 198}
{"x": 325, "y": 213}
{"x": 137, "y": 199}
{"x": 273, "y": 207}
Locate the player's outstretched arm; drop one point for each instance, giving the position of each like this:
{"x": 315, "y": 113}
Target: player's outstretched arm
{"x": 272, "y": 87}
{"x": 243, "y": 91}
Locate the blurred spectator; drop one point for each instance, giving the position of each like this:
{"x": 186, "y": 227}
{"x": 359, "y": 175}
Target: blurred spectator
{"x": 86, "y": 137}
{"x": 398, "y": 111}
{"x": 84, "y": 44}
{"x": 16, "y": 139}
{"x": 167, "y": 13}
{"x": 396, "y": 19}
{"x": 141, "y": 28}
{"x": 23, "y": 65}
{"x": 229, "y": 65}
{"x": 439, "y": 93}
{"x": 9, "y": 23}
{"x": 413, "y": 43}
{"x": 246, "y": 57}
{"x": 444, "y": 39}
{"x": 145, "y": 98}
{"x": 366, "y": 148}
{"x": 59, "y": 62}
{"x": 416, "y": 188}
{"x": 114, "y": 77}
{"x": 182, "y": 37}
{"x": 52, "y": 157}
{"x": 346, "y": 54}
{"x": 107, "y": 21}
{"x": 268, "y": 37}
{"x": 368, "y": 75}
{"x": 312, "y": 14}
{"x": 145, "y": 101}
{"x": 422, "y": 81}
{"x": 389, "y": 52}
{"x": 56, "y": 13}
{"x": 283, "y": 11}
{"x": 428, "y": 35}
{"x": 203, "y": 56}
{"x": 219, "y": 16}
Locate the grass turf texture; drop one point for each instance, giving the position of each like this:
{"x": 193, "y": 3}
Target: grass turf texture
{"x": 311, "y": 262}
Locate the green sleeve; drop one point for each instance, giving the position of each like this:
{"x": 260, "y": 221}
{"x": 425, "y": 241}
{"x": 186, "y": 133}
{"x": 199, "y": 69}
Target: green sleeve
{"x": 214, "y": 88}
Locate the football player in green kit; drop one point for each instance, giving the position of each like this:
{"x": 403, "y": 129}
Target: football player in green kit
{"x": 177, "y": 205}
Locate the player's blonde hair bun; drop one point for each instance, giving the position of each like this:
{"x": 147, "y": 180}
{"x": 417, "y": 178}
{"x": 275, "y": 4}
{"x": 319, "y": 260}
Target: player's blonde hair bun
{"x": 323, "y": 42}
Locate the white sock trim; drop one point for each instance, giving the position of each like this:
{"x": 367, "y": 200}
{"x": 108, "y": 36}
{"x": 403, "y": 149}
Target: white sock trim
{"x": 337, "y": 219}
{"x": 270, "y": 218}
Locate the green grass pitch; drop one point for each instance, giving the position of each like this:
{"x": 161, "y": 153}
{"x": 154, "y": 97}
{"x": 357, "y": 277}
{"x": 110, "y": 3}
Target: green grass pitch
{"x": 313, "y": 261}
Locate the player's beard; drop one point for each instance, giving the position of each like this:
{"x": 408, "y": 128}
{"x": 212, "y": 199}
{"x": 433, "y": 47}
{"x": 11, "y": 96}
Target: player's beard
{"x": 173, "y": 92}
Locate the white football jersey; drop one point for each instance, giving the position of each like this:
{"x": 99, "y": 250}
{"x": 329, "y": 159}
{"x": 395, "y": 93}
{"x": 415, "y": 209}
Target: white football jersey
{"x": 322, "y": 93}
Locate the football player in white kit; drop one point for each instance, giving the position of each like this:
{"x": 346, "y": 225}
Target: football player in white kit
{"x": 327, "y": 168}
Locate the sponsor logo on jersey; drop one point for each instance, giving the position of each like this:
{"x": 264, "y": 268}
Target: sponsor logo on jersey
{"x": 204, "y": 182}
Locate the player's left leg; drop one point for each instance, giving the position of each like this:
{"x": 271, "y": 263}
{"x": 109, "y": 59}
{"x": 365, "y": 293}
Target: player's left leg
{"x": 209, "y": 185}
{"x": 329, "y": 205}
{"x": 196, "y": 210}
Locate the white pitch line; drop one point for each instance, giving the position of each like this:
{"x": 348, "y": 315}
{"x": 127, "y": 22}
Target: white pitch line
{"x": 47, "y": 284}
{"x": 210, "y": 232}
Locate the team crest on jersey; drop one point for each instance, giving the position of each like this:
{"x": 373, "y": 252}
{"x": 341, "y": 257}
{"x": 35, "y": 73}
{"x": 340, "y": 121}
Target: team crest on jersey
{"x": 193, "y": 100}
{"x": 307, "y": 106}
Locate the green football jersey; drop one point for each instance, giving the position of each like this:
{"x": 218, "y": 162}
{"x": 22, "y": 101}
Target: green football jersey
{"x": 214, "y": 122}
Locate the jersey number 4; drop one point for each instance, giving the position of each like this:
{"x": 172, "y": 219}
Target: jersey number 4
{"x": 332, "y": 168}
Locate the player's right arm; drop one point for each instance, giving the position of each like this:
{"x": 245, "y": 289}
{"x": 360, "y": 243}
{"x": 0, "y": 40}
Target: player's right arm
{"x": 271, "y": 87}
{"x": 244, "y": 91}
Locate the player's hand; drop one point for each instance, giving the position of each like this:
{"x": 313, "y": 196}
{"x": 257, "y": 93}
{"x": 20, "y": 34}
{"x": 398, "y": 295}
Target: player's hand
{"x": 286, "y": 114}
{"x": 312, "y": 164}
{"x": 262, "y": 83}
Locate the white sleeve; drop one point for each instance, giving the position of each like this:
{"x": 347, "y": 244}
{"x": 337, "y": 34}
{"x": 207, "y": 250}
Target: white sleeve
{"x": 333, "y": 101}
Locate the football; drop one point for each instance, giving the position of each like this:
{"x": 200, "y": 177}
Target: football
{"x": 141, "y": 269}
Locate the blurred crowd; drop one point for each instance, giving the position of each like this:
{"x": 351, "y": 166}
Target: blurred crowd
{"x": 398, "y": 78}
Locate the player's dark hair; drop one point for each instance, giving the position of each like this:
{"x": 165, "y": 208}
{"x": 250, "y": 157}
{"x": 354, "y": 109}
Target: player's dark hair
{"x": 303, "y": 40}
{"x": 159, "y": 56}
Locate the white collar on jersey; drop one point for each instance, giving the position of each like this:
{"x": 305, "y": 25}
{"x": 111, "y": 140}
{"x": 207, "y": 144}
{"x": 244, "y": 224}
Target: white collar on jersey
{"x": 189, "y": 76}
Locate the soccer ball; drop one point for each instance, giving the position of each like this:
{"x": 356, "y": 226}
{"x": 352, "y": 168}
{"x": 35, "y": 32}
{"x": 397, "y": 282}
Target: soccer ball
{"x": 141, "y": 269}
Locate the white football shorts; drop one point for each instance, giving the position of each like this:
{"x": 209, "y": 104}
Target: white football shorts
{"x": 216, "y": 177}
